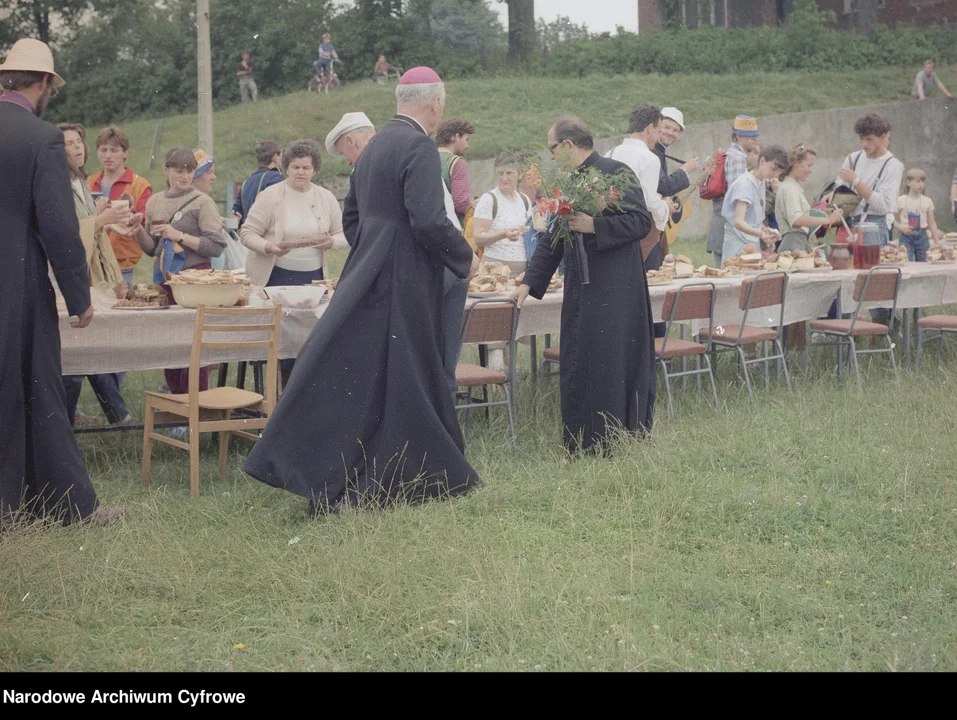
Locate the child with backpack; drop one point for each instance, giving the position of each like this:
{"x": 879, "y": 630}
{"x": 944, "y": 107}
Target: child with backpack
{"x": 914, "y": 217}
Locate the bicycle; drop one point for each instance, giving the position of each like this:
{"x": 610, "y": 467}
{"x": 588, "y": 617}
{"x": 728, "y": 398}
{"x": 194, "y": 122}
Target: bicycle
{"x": 326, "y": 81}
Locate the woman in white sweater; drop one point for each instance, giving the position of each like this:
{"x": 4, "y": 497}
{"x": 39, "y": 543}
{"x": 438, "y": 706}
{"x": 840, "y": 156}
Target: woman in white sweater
{"x": 292, "y": 224}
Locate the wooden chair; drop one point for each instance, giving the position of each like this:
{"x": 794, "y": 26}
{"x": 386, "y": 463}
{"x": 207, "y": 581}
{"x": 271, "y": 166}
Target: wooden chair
{"x": 489, "y": 321}
{"x": 939, "y": 324}
{"x": 689, "y": 302}
{"x": 211, "y": 410}
{"x": 765, "y": 290}
{"x": 879, "y": 284}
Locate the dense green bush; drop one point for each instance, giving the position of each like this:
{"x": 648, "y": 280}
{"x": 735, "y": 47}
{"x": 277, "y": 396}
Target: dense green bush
{"x": 789, "y": 47}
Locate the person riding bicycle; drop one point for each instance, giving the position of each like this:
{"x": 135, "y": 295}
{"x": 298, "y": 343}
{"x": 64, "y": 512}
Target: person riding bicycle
{"x": 327, "y": 55}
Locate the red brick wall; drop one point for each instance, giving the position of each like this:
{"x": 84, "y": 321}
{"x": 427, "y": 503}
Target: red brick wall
{"x": 647, "y": 15}
{"x": 752, "y": 13}
{"x": 746, "y": 13}
{"x": 913, "y": 12}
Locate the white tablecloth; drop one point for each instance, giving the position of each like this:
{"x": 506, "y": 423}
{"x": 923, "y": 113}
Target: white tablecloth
{"x": 119, "y": 340}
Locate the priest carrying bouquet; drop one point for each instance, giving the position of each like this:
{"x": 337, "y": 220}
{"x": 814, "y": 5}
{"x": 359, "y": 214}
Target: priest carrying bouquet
{"x": 607, "y": 346}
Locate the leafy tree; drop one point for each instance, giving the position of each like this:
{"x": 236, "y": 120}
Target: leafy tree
{"x": 521, "y": 30}
{"x": 562, "y": 29}
{"x": 48, "y": 20}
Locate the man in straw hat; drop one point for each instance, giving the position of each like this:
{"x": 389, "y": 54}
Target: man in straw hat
{"x": 370, "y": 378}
{"x": 349, "y": 138}
{"x": 42, "y": 471}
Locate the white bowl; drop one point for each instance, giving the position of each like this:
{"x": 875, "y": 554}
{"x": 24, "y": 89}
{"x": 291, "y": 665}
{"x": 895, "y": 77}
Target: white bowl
{"x": 194, "y": 295}
{"x": 296, "y": 296}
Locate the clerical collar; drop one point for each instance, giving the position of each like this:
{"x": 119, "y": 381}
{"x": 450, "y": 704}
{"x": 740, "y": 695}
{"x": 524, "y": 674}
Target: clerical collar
{"x": 12, "y": 96}
{"x": 409, "y": 117}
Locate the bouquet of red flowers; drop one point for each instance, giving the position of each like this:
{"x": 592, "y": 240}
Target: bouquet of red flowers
{"x": 586, "y": 190}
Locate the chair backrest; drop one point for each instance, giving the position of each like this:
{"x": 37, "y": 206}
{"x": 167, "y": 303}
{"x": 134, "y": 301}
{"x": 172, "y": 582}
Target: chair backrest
{"x": 691, "y": 302}
{"x": 237, "y": 320}
{"x": 762, "y": 290}
{"x": 877, "y": 284}
{"x": 490, "y": 320}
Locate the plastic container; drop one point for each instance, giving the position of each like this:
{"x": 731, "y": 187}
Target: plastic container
{"x": 867, "y": 246}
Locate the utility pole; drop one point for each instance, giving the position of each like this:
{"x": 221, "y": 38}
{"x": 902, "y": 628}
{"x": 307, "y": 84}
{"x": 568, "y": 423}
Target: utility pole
{"x": 204, "y": 76}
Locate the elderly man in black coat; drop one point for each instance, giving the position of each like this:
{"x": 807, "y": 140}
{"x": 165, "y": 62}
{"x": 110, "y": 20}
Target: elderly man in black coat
{"x": 41, "y": 470}
{"x": 607, "y": 341}
{"x": 367, "y": 415}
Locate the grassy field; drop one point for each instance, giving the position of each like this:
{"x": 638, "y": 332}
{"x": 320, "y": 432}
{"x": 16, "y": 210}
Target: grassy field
{"x": 518, "y": 117}
{"x": 807, "y": 531}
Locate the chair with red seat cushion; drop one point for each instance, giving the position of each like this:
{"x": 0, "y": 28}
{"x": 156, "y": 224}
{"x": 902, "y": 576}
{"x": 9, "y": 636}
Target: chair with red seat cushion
{"x": 689, "y": 302}
{"x": 939, "y": 324}
{"x": 489, "y": 321}
{"x": 877, "y": 285}
{"x": 762, "y": 291}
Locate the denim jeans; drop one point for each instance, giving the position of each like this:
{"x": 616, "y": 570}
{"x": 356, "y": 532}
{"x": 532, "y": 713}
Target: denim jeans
{"x": 127, "y": 276}
{"x": 917, "y": 246}
{"x": 107, "y": 390}
{"x": 453, "y": 310}
{"x": 281, "y": 276}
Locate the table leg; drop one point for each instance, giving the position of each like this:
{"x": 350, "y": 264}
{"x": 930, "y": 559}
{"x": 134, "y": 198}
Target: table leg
{"x": 905, "y": 338}
{"x": 533, "y": 351}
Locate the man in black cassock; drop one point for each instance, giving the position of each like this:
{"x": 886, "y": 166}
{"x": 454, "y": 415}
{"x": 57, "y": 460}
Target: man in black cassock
{"x": 607, "y": 340}
{"x": 41, "y": 470}
{"x": 367, "y": 415}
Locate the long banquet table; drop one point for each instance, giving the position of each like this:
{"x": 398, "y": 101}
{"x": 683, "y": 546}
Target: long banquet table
{"x": 124, "y": 340}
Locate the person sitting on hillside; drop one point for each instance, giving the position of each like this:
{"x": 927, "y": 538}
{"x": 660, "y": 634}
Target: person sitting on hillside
{"x": 113, "y": 182}
{"x": 382, "y": 69}
{"x": 744, "y": 136}
{"x": 925, "y": 80}
{"x": 268, "y": 174}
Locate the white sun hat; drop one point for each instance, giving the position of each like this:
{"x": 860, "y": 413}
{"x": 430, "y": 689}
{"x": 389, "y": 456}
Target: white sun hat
{"x": 31, "y": 56}
{"x": 673, "y": 113}
{"x": 350, "y": 121}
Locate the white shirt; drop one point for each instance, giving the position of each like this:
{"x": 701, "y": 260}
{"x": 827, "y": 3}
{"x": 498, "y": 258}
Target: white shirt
{"x": 300, "y": 224}
{"x": 450, "y": 208}
{"x": 511, "y": 213}
{"x": 646, "y": 165}
{"x": 885, "y": 192}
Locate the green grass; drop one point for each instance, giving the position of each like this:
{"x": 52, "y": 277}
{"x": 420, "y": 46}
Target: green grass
{"x": 513, "y": 112}
{"x": 807, "y": 531}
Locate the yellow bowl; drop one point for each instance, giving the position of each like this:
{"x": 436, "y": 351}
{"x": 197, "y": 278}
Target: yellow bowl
{"x": 192, "y": 296}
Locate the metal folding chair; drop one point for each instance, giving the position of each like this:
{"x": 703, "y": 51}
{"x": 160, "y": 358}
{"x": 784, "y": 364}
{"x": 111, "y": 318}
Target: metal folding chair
{"x": 939, "y": 324}
{"x": 879, "y": 284}
{"x": 689, "y": 302}
{"x": 489, "y": 321}
{"x": 765, "y": 290}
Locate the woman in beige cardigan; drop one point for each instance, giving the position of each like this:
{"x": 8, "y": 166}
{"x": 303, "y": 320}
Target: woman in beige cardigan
{"x": 103, "y": 267}
{"x": 292, "y": 224}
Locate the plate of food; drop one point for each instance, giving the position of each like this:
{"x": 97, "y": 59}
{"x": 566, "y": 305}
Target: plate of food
{"x": 143, "y": 297}
{"x": 492, "y": 280}
{"x": 659, "y": 277}
{"x": 488, "y": 294}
